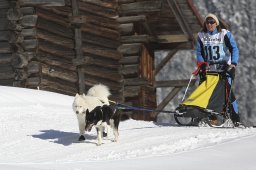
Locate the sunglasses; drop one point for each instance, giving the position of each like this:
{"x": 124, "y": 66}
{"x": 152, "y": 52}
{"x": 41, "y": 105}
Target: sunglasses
{"x": 212, "y": 21}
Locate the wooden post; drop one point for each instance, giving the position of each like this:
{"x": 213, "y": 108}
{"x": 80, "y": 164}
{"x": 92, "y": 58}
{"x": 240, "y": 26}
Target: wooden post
{"x": 78, "y": 48}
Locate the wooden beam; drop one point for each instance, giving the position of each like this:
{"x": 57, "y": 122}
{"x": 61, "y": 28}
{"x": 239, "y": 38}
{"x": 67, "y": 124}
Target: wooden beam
{"x": 137, "y": 39}
{"x": 179, "y": 17}
{"x": 78, "y": 47}
{"x": 168, "y": 98}
{"x": 165, "y": 60}
{"x": 129, "y": 19}
{"x": 130, "y": 49}
{"x": 126, "y": 28}
{"x": 42, "y": 2}
{"x": 168, "y": 46}
{"x": 172, "y": 38}
{"x": 176, "y": 38}
{"x": 86, "y": 60}
{"x": 174, "y": 83}
{"x": 140, "y": 7}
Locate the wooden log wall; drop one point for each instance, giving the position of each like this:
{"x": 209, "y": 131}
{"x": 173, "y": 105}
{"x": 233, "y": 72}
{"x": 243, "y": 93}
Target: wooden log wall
{"x": 98, "y": 31}
{"x": 64, "y": 46}
{"x": 7, "y": 73}
{"x": 137, "y": 61}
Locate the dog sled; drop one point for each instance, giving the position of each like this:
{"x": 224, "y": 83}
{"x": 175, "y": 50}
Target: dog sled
{"x": 209, "y": 104}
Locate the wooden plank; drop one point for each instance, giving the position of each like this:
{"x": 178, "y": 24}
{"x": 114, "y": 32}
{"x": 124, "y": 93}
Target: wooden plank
{"x": 56, "y": 61}
{"x": 55, "y": 28}
{"x": 100, "y": 3}
{"x": 4, "y": 24}
{"x": 165, "y": 60}
{"x": 125, "y": 1}
{"x": 97, "y": 10}
{"x": 92, "y": 80}
{"x": 56, "y": 50}
{"x": 130, "y": 69}
{"x": 129, "y": 60}
{"x": 60, "y": 73}
{"x": 41, "y": 2}
{"x": 63, "y": 11}
{"x": 50, "y": 16}
{"x": 129, "y": 19}
{"x": 20, "y": 75}
{"x": 140, "y": 7}
{"x": 180, "y": 18}
{"x": 96, "y": 20}
{"x": 173, "y": 83}
{"x": 13, "y": 14}
{"x": 104, "y": 52}
{"x": 5, "y": 58}
{"x": 7, "y": 82}
{"x": 4, "y": 4}
{"x": 168, "y": 98}
{"x": 52, "y": 85}
{"x": 126, "y": 28}
{"x": 131, "y": 91}
{"x": 6, "y": 75}
{"x": 168, "y": 46}
{"x": 130, "y": 49}
{"x": 99, "y": 41}
{"x": 5, "y": 47}
{"x": 4, "y": 35}
{"x": 172, "y": 38}
{"x": 137, "y": 39}
{"x": 30, "y": 44}
{"x": 52, "y": 71}
{"x": 86, "y": 60}
{"x": 55, "y": 39}
{"x": 29, "y": 20}
{"x": 19, "y": 60}
{"x": 135, "y": 82}
{"x": 103, "y": 73}
{"x": 101, "y": 31}
{"x": 27, "y": 10}
{"x": 78, "y": 47}
{"x": 3, "y": 12}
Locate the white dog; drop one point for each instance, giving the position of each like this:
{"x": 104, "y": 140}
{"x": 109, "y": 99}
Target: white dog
{"x": 96, "y": 96}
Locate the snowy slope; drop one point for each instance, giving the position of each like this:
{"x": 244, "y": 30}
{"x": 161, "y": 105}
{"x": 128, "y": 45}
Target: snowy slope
{"x": 39, "y": 131}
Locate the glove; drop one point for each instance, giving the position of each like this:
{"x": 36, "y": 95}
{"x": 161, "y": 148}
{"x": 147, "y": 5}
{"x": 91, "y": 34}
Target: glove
{"x": 231, "y": 71}
{"x": 202, "y": 72}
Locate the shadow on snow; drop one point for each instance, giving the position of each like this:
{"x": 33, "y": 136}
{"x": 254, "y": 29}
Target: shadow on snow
{"x": 60, "y": 137}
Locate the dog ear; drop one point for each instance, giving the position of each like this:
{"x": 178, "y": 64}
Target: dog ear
{"x": 77, "y": 95}
{"x": 87, "y": 112}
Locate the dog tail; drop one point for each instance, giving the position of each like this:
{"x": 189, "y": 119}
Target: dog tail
{"x": 101, "y": 91}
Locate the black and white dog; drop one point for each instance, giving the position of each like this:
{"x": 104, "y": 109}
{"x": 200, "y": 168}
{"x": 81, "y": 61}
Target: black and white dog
{"x": 103, "y": 117}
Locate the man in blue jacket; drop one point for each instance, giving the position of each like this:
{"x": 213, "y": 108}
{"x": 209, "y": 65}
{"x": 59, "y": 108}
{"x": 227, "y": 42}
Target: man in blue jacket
{"x": 217, "y": 51}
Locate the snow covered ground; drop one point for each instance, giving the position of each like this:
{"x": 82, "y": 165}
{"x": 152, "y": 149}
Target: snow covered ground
{"x": 39, "y": 131}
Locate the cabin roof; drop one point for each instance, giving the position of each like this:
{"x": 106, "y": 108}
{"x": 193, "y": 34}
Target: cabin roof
{"x": 169, "y": 22}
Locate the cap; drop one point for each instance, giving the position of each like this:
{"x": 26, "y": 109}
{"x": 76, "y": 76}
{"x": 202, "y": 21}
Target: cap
{"x": 210, "y": 15}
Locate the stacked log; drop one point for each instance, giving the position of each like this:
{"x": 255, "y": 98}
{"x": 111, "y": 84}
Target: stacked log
{"x": 7, "y": 72}
{"x": 137, "y": 61}
{"x": 98, "y": 36}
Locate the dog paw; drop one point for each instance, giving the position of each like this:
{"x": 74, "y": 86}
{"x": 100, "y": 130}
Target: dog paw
{"x": 81, "y": 138}
{"x": 114, "y": 140}
{"x": 105, "y": 134}
{"x": 98, "y": 144}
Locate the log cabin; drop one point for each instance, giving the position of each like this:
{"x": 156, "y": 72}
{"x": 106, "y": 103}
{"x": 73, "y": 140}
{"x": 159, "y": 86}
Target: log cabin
{"x": 67, "y": 46}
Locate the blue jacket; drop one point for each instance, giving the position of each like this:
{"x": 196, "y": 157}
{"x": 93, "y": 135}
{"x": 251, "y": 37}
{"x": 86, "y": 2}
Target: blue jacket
{"x": 217, "y": 46}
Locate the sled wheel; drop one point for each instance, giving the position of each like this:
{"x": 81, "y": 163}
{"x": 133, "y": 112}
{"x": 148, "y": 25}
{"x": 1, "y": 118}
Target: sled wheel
{"x": 183, "y": 121}
{"x": 216, "y": 120}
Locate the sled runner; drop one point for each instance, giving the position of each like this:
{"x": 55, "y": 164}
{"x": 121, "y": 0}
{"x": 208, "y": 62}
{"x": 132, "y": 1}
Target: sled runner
{"x": 209, "y": 103}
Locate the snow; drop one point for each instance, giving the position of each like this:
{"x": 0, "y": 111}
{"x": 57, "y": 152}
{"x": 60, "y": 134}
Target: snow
{"x": 39, "y": 131}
